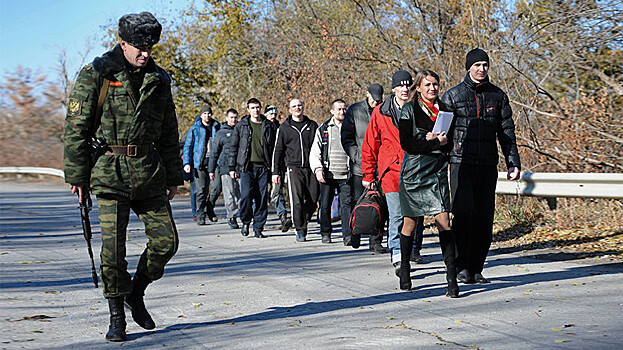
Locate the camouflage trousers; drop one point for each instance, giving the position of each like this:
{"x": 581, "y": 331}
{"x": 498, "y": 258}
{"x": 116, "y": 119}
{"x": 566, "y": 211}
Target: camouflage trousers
{"x": 114, "y": 214}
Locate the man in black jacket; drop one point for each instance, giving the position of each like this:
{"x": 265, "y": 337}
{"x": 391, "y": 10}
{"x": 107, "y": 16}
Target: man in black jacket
{"x": 277, "y": 198}
{"x": 249, "y": 158}
{"x": 353, "y": 130}
{"x": 293, "y": 142}
{"x": 220, "y": 155}
{"x": 482, "y": 113}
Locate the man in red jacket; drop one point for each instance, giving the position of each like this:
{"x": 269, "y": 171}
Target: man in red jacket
{"x": 381, "y": 150}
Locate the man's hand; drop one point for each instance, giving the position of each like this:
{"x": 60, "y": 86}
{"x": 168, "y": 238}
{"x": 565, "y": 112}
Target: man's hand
{"x": 187, "y": 168}
{"x": 431, "y": 136}
{"x": 320, "y": 176}
{"x": 233, "y": 174}
{"x": 212, "y": 177}
{"x": 276, "y": 179}
{"x": 81, "y": 190}
{"x": 513, "y": 173}
{"x": 172, "y": 191}
{"x": 368, "y": 185}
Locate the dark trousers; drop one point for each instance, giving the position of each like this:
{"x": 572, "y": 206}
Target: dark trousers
{"x": 254, "y": 197}
{"x": 473, "y": 204}
{"x": 327, "y": 192}
{"x": 356, "y": 192}
{"x": 217, "y": 186}
{"x": 202, "y": 186}
{"x": 303, "y": 192}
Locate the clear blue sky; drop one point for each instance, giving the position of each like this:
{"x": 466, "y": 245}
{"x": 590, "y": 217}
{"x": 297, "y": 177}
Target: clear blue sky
{"x": 32, "y": 32}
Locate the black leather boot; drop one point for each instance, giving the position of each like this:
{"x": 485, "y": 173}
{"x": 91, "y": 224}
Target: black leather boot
{"x": 406, "y": 244}
{"x": 448, "y": 250}
{"x": 116, "y": 330}
{"x": 134, "y": 301}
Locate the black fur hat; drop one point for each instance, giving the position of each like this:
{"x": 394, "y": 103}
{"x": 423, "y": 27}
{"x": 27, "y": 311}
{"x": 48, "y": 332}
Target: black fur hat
{"x": 139, "y": 29}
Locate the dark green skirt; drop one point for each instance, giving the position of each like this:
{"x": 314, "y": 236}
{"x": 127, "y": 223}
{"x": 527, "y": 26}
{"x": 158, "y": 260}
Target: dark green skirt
{"x": 423, "y": 187}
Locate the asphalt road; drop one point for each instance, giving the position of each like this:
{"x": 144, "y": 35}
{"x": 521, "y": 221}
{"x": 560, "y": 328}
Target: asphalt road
{"x": 225, "y": 291}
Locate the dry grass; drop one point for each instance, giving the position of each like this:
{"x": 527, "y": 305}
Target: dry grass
{"x": 585, "y": 227}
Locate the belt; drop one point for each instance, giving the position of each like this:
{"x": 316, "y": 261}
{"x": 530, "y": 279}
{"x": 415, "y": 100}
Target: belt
{"x": 130, "y": 150}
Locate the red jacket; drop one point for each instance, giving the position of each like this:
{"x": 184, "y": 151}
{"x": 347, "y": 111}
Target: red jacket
{"x": 381, "y": 146}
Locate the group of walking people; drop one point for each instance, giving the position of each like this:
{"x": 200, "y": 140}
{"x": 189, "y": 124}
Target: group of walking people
{"x": 387, "y": 142}
{"x": 121, "y": 106}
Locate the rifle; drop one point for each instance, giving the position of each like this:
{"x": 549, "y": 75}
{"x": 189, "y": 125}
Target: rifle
{"x": 85, "y": 208}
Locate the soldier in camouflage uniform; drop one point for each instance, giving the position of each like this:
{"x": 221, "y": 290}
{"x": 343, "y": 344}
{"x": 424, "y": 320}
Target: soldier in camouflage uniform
{"x": 126, "y": 98}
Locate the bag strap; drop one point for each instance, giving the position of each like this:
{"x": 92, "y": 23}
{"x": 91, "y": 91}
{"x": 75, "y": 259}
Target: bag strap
{"x": 100, "y": 106}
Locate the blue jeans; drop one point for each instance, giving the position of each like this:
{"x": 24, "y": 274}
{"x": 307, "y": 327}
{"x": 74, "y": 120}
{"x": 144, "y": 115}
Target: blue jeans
{"x": 254, "y": 197}
{"x": 395, "y": 225}
{"x": 277, "y": 199}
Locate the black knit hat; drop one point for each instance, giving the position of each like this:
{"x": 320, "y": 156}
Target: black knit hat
{"x": 476, "y": 55}
{"x": 402, "y": 77}
{"x": 139, "y": 29}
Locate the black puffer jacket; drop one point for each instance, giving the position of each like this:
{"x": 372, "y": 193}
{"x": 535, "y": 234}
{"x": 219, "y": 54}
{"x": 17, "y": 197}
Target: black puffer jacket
{"x": 482, "y": 113}
{"x": 220, "y": 150}
{"x": 353, "y": 131}
{"x": 240, "y": 144}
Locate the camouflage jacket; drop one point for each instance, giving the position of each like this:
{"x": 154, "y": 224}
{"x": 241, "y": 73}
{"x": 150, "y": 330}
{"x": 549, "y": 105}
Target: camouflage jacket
{"x": 143, "y": 117}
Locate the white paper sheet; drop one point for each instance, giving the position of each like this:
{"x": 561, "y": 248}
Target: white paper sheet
{"x": 444, "y": 119}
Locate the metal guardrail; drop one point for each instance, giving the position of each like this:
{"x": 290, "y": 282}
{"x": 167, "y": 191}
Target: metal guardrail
{"x": 32, "y": 170}
{"x": 579, "y": 185}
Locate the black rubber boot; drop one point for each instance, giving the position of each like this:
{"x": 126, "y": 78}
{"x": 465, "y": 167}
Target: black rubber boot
{"x": 406, "y": 244}
{"x": 116, "y": 330}
{"x": 448, "y": 250}
{"x": 134, "y": 302}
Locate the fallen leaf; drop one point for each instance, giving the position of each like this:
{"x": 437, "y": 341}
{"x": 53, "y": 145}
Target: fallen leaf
{"x": 426, "y": 300}
{"x": 458, "y": 320}
{"x": 52, "y": 292}
{"x": 92, "y": 308}
{"x": 523, "y": 269}
{"x": 569, "y": 325}
{"x": 181, "y": 316}
{"x": 37, "y": 318}
{"x": 390, "y": 318}
{"x": 227, "y": 303}
{"x": 197, "y": 304}
{"x": 528, "y": 290}
{"x": 577, "y": 283}
{"x": 37, "y": 331}
{"x": 561, "y": 340}
{"x": 229, "y": 323}
{"x": 557, "y": 329}
{"x": 554, "y": 285}
{"x": 570, "y": 333}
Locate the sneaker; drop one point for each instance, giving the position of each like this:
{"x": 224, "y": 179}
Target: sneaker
{"x": 479, "y": 278}
{"x": 233, "y": 223}
{"x": 212, "y": 214}
{"x": 286, "y": 224}
{"x": 397, "y": 268}
{"x": 347, "y": 241}
{"x": 245, "y": 230}
{"x": 465, "y": 277}
{"x": 377, "y": 248}
{"x": 300, "y": 237}
{"x": 416, "y": 257}
{"x": 201, "y": 221}
{"x": 326, "y": 238}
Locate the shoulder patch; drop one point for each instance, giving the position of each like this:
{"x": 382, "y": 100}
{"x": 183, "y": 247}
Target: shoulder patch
{"x": 115, "y": 83}
{"x": 74, "y": 107}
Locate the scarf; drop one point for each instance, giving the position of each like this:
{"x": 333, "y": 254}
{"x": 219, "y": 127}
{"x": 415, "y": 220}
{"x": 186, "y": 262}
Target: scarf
{"x": 430, "y": 109}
